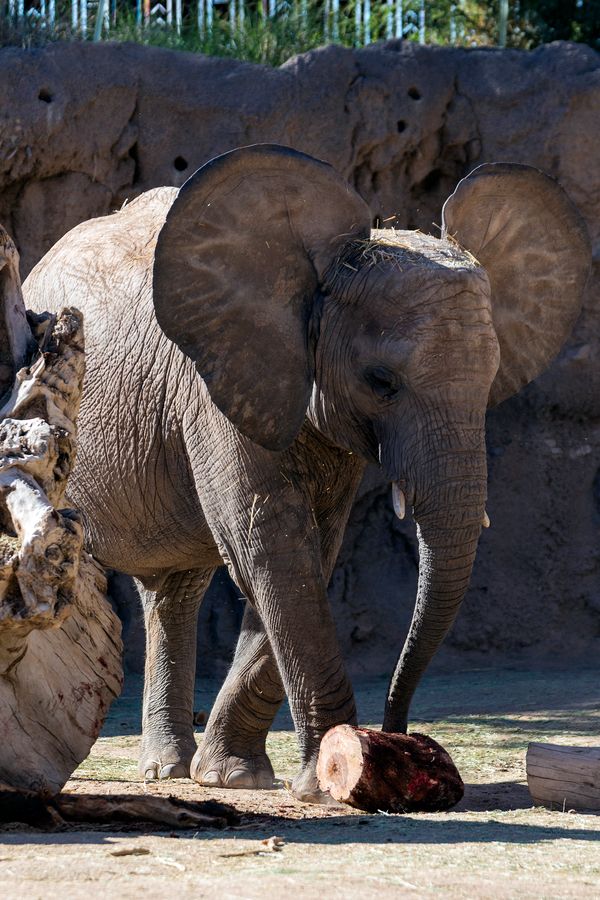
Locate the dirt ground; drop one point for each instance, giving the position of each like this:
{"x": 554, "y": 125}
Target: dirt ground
{"x": 494, "y": 844}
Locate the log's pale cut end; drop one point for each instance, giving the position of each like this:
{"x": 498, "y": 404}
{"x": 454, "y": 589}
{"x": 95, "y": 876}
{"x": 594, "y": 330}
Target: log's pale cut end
{"x": 340, "y": 763}
{"x": 376, "y": 771}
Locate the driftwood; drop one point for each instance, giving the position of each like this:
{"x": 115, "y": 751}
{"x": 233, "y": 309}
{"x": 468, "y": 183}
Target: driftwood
{"x": 397, "y": 773}
{"x": 60, "y": 645}
{"x": 564, "y": 778}
{"x": 60, "y": 642}
{"x": 115, "y": 810}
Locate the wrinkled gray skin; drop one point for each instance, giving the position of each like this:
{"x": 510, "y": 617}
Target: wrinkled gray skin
{"x": 402, "y": 340}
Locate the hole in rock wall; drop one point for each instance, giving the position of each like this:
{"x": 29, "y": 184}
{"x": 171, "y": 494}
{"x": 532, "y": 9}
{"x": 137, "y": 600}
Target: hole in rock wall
{"x": 401, "y": 126}
{"x": 431, "y": 181}
{"x": 180, "y": 163}
{"x": 45, "y": 96}
{"x": 596, "y": 495}
{"x": 133, "y": 153}
{"x": 414, "y": 93}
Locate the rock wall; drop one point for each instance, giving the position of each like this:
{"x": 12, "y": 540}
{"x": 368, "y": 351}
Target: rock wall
{"x": 84, "y": 127}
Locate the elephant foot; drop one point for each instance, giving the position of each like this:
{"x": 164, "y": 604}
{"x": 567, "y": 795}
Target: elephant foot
{"x": 217, "y": 768}
{"x": 165, "y": 758}
{"x": 305, "y": 787}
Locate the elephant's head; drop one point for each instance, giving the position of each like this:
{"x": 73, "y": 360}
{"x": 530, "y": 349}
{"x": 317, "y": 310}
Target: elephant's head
{"x": 268, "y": 275}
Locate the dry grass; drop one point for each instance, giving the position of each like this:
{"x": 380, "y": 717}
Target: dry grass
{"x": 399, "y": 248}
{"x": 494, "y": 844}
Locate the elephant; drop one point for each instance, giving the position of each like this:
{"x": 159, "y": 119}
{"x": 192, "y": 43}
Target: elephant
{"x": 252, "y": 344}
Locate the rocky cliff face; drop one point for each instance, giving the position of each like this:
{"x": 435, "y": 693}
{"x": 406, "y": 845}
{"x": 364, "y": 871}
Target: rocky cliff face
{"x": 85, "y": 127}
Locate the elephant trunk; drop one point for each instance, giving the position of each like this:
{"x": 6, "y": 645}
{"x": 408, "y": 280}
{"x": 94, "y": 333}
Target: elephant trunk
{"x": 449, "y": 519}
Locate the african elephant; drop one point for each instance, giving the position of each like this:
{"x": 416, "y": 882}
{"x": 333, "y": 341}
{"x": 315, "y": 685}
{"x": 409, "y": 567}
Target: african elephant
{"x": 251, "y": 344}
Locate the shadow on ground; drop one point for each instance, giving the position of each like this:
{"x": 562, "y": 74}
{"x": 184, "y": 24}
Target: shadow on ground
{"x": 507, "y": 699}
{"x": 336, "y": 830}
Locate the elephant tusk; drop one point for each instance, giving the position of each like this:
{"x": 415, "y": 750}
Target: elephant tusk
{"x": 486, "y": 520}
{"x": 398, "y": 500}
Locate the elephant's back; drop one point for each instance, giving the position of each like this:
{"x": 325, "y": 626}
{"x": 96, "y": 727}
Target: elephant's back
{"x": 95, "y": 261}
{"x": 131, "y": 479}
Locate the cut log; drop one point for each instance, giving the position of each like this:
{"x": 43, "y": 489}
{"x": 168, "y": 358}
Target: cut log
{"x": 60, "y": 645}
{"x": 561, "y": 777}
{"x": 381, "y": 772}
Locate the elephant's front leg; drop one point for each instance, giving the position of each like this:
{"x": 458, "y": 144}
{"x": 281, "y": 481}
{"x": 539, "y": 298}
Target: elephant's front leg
{"x": 233, "y": 753}
{"x": 234, "y": 749}
{"x": 170, "y": 616}
{"x": 276, "y": 556}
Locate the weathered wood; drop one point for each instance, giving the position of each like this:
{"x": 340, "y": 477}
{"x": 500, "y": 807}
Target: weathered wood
{"x": 116, "y": 810}
{"x": 28, "y": 808}
{"x": 562, "y": 777}
{"x": 60, "y": 646}
{"x": 170, "y": 812}
{"x": 376, "y": 771}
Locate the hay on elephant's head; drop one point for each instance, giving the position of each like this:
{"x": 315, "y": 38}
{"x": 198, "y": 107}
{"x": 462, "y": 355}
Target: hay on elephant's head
{"x": 399, "y": 248}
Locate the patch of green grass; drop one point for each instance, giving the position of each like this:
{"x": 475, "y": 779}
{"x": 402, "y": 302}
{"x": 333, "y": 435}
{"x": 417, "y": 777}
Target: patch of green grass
{"x": 282, "y": 748}
{"x": 111, "y": 759}
{"x": 107, "y": 768}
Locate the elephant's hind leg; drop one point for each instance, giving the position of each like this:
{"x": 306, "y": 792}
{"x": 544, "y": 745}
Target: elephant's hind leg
{"x": 233, "y": 752}
{"x": 171, "y": 617}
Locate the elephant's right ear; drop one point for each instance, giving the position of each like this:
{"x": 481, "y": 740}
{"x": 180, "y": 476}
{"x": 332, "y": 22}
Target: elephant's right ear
{"x": 237, "y": 265}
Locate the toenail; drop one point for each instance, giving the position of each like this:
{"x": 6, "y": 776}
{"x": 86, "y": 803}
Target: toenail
{"x": 150, "y": 774}
{"x": 240, "y": 779}
{"x": 210, "y": 778}
{"x": 168, "y": 771}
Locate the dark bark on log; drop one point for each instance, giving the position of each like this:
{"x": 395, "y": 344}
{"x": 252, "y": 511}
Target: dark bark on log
{"x": 396, "y": 773}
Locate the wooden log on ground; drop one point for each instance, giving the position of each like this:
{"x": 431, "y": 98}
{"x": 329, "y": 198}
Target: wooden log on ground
{"x": 565, "y": 778}
{"x": 169, "y": 812}
{"x": 60, "y": 645}
{"x": 27, "y": 808}
{"x": 397, "y": 773}
{"x": 116, "y": 810}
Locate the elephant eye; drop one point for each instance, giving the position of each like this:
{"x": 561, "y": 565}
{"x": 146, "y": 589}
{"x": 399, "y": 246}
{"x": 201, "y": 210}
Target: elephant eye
{"x": 384, "y": 383}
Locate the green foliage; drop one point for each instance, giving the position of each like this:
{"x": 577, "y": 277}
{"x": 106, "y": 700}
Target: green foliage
{"x": 534, "y": 22}
{"x": 560, "y": 20}
{"x": 274, "y": 40}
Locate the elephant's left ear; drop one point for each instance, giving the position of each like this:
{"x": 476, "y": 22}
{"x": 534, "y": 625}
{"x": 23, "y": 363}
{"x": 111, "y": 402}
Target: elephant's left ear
{"x": 523, "y": 229}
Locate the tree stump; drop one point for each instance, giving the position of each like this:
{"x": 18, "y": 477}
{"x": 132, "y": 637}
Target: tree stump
{"x": 381, "y": 772}
{"x": 564, "y": 778}
{"x": 60, "y": 645}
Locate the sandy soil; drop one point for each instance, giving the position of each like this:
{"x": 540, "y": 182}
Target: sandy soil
{"x": 494, "y": 844}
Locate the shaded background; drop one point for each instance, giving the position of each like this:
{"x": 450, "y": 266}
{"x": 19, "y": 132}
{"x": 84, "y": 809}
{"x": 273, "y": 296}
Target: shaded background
{"x": 85, "y": 127}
